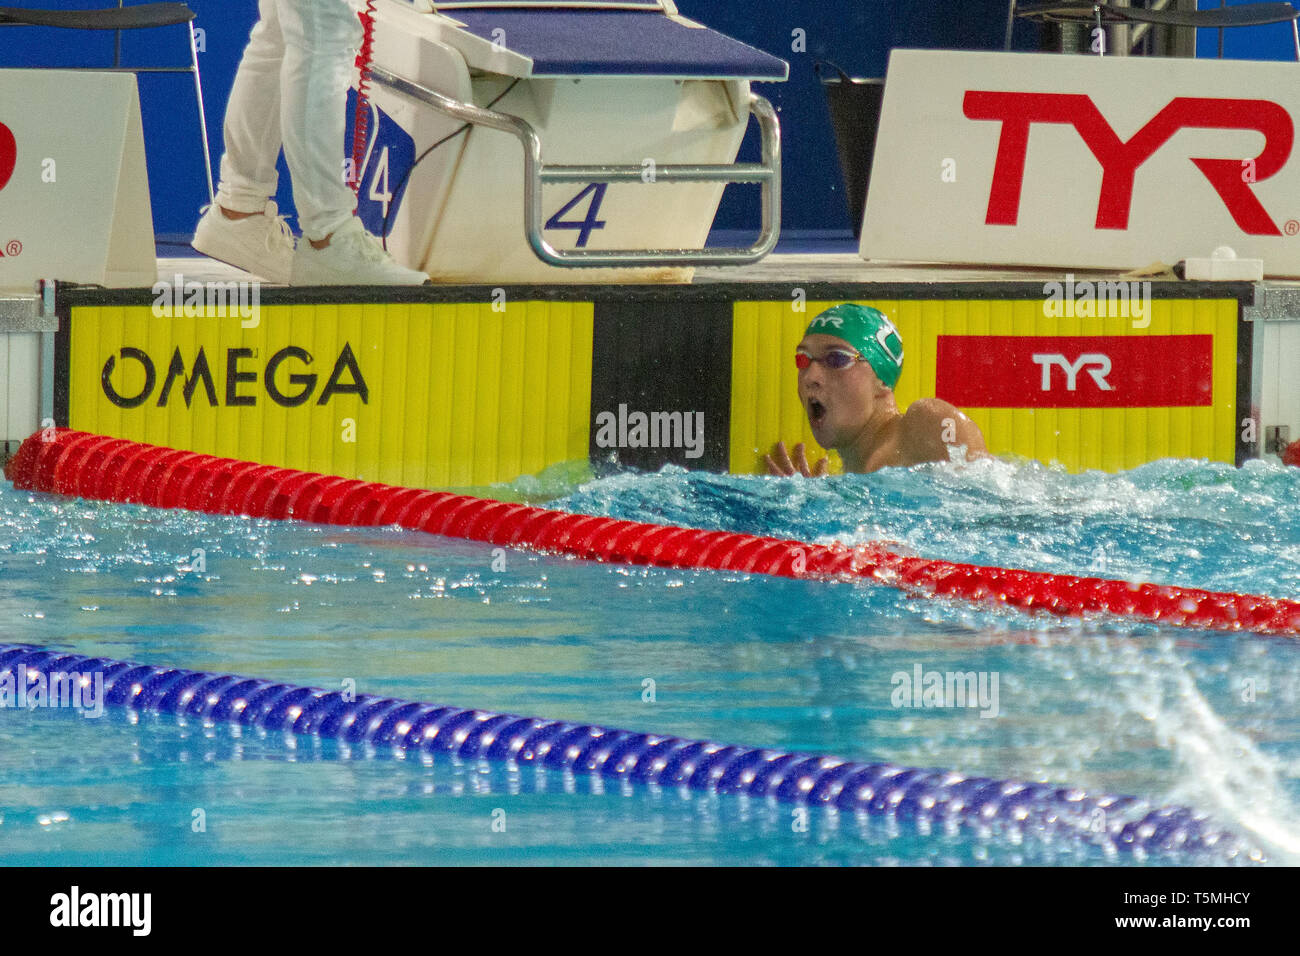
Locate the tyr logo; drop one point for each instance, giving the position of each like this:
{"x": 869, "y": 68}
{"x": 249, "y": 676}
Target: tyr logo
{"x": 1097, "y": 364}
{"x": 8, "y": 154}
{"x": 1120, "y": 160}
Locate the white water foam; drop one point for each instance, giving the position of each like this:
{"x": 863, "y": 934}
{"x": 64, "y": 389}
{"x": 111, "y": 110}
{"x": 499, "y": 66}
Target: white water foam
{"x": 1222, "y": 770}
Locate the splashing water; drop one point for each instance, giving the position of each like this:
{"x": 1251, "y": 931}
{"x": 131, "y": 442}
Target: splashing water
{"x": 1223, "y": 770}
{"x": 1175, "y": 522}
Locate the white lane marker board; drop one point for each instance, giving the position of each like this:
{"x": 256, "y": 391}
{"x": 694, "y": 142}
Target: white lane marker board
{"x": 74, "y": 194}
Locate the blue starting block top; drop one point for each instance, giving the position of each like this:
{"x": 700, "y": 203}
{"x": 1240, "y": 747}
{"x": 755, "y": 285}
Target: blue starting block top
{"x": 612, "y": 38}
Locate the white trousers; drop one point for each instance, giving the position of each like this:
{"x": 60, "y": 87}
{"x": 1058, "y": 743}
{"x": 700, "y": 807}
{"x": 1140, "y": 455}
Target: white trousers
{"x": 291, "y": 90}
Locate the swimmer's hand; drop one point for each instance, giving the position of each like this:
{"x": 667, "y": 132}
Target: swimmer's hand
{"x": 780, "y": 463}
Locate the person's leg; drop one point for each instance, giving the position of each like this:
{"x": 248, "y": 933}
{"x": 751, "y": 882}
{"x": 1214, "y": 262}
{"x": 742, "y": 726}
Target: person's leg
{"x": 252, "y": 124}
{"x": 320, "y": 42}
{"x": 321, "y": 38}
{"x": 243, "y": 227}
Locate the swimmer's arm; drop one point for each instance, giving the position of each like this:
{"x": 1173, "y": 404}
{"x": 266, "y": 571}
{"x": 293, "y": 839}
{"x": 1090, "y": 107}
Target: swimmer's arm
{"x": 780, "y": 462}
{"x": 926, "y": 425}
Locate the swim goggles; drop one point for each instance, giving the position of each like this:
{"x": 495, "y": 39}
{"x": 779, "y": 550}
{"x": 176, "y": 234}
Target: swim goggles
{"x": 835, "y": 359}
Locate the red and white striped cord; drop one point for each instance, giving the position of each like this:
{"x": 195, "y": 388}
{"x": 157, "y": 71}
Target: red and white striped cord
{"x": 361, "y": 117}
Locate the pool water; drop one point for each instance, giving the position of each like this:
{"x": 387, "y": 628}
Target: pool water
{"x": 1206, "y": 719}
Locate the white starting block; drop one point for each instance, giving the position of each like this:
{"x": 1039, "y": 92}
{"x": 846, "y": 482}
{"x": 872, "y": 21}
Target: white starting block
{"x": 597, "y": 134}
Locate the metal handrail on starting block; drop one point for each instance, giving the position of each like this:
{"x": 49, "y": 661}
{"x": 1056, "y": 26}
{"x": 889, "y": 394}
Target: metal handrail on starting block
{"x": 537, "y": 173}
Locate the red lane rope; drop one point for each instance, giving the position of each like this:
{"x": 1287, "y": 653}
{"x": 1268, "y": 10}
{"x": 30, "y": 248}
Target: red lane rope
{"x": 75, "y": 463}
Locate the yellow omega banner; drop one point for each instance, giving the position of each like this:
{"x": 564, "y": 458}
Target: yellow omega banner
{"x": 422, "y": 395}
{"x": 1086, "y": 391}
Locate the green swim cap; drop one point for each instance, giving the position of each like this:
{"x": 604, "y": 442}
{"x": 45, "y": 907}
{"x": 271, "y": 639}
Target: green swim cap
{"x": 868, "y": 331}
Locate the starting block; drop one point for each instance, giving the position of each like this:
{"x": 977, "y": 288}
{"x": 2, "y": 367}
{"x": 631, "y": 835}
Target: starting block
{"x": 534, "y": 142}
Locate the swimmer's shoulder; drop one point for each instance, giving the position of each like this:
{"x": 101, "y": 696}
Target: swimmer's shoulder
{"x": 931, "y": 425}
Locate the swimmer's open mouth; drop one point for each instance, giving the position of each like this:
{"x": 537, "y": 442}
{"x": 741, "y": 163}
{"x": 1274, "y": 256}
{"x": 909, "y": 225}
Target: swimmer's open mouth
{"x": 816, "y": 411}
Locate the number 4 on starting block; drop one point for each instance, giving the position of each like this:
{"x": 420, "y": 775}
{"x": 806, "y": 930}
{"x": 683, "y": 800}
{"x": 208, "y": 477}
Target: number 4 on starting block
{"x": 584, "y": 226}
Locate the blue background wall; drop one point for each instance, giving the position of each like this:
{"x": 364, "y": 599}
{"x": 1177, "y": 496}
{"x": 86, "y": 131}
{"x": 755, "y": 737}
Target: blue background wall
{"x": 856, "y": 34}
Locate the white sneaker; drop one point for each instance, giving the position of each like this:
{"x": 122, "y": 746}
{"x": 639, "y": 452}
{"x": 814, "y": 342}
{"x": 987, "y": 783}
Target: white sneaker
{"x": 262, "y": 245}
{"x": 353, "y": 257}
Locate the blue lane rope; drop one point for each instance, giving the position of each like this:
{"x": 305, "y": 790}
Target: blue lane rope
{"x": 878, "y": 790}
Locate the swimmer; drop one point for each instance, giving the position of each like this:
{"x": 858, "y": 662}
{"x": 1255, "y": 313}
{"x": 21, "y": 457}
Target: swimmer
{"x": 849, "y": 361}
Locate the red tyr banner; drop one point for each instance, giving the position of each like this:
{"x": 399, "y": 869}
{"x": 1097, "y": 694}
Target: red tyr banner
{"x": 1075, "y": 371}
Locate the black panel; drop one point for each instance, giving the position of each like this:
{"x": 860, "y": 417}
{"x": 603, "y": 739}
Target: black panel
{"x": 1245, "y": 381}
{"x": 667, "y": 357}
{"x": 62, "y": 359}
